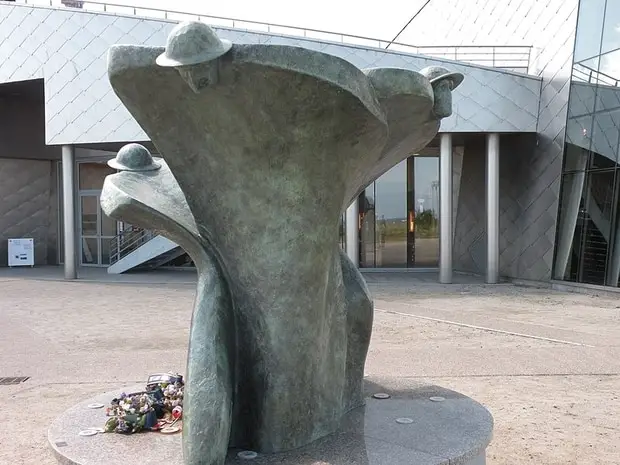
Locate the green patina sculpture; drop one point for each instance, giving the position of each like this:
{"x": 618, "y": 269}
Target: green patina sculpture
{"x": 263, "y": 147}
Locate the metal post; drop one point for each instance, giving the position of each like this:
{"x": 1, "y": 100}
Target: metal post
{"x": 445, "y": 209}
{"x": 492, "y": 202}
{"x": 352, "y": 232}
{"x": 68, "y": 195}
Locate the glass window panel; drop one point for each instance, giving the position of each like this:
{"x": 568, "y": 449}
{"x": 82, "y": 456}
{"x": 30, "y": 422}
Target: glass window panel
{"x": 609, "y": 79}
{"x": 367, "y": 227}
{"x": 575, "y": 158}
{"x": 411, "y": 211}
{"x": 605, "y": 139}
{"x": 90, "y": 254}
{"x": 105, "y": 250}
{"x": 582, "y": 100}
{"x": 581, "y": 107}
{"x": 596, "y": 219}
{"x": 108, "y": 225}
{"x": 586, "y": 70}
{"x": 611, "y": 26}
{"x": 606, "y": 127}
{"x": 426, "y": 172}
{"x": 613, "y": 269}
{"x": 589, "y": 29}
{"x": 89, "y": 208}
{"x": 568, "y": 243}
{"x": 391, "y": 218}
{"x": 609, "y": 70}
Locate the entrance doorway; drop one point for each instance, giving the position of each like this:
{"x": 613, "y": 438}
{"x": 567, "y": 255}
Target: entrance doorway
{"x": 399, "y": 217}
{"x": 96, "y": 230}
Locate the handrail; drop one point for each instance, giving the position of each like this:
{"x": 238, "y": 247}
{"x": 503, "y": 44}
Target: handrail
{"x": 499, "y": 56}
{"x": 593, "y": 76}
{"x": 127, "y": 241}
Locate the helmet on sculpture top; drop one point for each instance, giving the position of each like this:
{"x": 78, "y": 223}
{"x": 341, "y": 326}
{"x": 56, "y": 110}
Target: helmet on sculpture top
{"x": 438, "y": 73}
{"x": 134, "y": 157}
{"x": 191, "y": 43}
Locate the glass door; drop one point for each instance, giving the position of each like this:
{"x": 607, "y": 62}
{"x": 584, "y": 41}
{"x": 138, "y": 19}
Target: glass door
{"x": 424, "y": 210}
{"x": 96, "y": 231}
{"x": 108, "y": 229}
{"x": 399, "y": 217}
{"x": 89, "y": 230}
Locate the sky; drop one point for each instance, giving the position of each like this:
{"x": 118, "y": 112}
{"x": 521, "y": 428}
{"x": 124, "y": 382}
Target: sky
{"x": 346, "y": 16}
{"x": 342, "y": 16}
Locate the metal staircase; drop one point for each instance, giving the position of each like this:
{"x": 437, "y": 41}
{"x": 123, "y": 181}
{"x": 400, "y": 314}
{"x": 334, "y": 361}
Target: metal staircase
{"x": 136, "y": 248}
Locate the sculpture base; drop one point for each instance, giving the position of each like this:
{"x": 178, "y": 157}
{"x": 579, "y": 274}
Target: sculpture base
{"x": 419, "y": 424}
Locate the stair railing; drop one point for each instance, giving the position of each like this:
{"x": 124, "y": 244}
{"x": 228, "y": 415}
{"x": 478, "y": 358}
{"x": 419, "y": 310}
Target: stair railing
{"x": 127, "y": 241}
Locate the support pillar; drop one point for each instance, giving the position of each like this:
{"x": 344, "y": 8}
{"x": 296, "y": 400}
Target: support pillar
{"x": 492, "y": 202}
{"x": 69, "y": 222}
{"x": 352, "y": 232}
{"x": 446, "y": 236}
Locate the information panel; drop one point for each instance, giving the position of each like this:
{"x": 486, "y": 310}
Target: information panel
{"x": 21, "y": 252}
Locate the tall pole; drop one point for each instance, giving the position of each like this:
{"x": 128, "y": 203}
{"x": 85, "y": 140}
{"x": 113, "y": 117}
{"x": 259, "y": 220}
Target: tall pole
{"x": 492, "y": 201}
{"x": 68, "y": 195}
{"x": 445, "y": 209}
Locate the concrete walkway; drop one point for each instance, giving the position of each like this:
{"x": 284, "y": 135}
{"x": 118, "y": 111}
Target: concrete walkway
{"x": 100, "y": 275}
{"x": 188, "y": 276}
{"x": 547, "y": 364}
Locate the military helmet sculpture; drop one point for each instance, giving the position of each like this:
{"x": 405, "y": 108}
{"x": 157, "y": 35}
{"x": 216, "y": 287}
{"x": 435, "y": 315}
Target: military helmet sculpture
{"x": 263, "y": 147}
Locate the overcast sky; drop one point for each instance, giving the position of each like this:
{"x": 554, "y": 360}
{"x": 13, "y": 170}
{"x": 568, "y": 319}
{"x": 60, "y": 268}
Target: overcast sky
{"x": 346, "y": 16}
{"x": 376, "y": 20}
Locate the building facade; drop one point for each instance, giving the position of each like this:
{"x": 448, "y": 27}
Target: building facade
{"x": 521, "y": 182}
{"x": 588, "y": 237}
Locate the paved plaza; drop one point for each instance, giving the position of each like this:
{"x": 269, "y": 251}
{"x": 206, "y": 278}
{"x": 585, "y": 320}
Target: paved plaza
{"x": 546, "y": 364}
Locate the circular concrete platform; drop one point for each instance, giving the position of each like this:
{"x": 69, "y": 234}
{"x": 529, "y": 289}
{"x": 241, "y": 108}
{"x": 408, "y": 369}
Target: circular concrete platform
{"x": 408, "y": 428}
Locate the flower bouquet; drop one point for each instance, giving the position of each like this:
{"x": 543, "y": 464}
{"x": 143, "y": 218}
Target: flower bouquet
{"x": 158, "y": 408}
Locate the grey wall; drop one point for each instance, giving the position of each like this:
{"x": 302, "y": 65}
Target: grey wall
{"x": 68, "y": 49}
{"x": 28, "y": 184}
{"x": 22, "y": 130}
{"x": 517, "y": 255}
{"x": 469, "y": 228}
{"x": 28, "y": 206}
{"x": 538, "y": 188}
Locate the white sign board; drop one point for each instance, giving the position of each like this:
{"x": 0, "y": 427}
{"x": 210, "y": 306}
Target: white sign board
{"x": 21, "y": 252}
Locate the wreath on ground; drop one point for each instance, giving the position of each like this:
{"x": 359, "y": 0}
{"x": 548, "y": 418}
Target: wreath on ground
{"x": 158, "y": 408}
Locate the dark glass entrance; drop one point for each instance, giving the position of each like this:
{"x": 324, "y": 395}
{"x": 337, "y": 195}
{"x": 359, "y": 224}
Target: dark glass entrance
{"x": 399, "y": 213}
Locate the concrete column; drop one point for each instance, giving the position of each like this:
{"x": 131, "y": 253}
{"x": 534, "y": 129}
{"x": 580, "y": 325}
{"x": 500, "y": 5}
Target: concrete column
{"x": 69, "y": 221}
{"x": 352, "y": 230}
{"x": 446, "y": 236}
{"x": 492, "y": 201}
